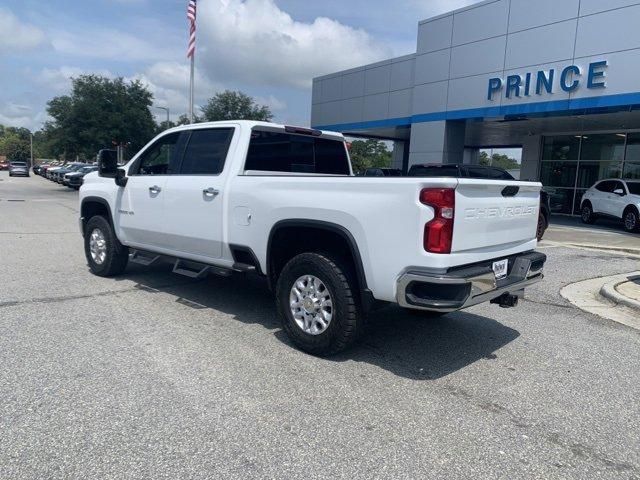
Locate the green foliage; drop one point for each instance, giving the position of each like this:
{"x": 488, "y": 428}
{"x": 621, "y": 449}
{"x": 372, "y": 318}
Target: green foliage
{"x": 15, "y": 143}
{"x": 369, "y": 153}
{"x": 98, "y": 112}
{"x": 230, "y": 105}
{"x": 499, "y": 160}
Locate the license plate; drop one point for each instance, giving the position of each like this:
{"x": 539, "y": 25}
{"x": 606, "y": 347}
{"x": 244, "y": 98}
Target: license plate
{"x": 500, "y": 268}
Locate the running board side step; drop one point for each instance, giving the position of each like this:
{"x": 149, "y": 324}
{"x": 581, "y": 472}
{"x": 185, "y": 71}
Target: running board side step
{"x": 243, "y": 267}
{"x": 143, "y": 258}
{"x": 198, "y": 270}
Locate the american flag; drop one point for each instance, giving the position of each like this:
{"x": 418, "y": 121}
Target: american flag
{"x": 191, "y": 16}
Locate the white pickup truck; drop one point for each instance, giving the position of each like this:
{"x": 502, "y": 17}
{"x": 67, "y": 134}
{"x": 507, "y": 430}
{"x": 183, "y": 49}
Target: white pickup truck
{"x": 283, "y": 202}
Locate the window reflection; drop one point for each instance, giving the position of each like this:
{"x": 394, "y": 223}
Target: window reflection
{"x": 558, "y": 174}
{"x": 564, "y": 147}
{"x": 609, "y": 146}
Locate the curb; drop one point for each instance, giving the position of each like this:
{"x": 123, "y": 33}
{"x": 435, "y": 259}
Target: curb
{"x": 632, "y": 251}
{"x": 609, "y": 291}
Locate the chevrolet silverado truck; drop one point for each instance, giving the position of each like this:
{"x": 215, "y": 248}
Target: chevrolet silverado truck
{"x": 282, "y": 202}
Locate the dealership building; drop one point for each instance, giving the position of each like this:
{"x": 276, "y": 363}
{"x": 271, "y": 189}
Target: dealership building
{"x": 558, "y": 79}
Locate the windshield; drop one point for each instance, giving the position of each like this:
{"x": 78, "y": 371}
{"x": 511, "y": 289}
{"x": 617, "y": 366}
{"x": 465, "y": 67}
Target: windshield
{"x": 634, "y": 188}
{"x": 18, "y": 164}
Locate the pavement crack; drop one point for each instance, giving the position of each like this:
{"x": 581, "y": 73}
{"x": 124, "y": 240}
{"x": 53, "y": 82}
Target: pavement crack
{"x": 64, "y": 298}
{"x": 550, "y": 304}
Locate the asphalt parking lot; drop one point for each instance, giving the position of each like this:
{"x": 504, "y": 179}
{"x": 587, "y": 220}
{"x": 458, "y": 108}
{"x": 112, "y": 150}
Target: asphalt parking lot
{"x": 152, "y": 375}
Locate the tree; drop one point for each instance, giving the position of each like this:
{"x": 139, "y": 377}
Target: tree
{"x": 499, "y": 160}
{"x": 369, "y": 153}
{"x": 230, "y": 105}
{"x": 97, "y": 112}
{"x": 14, "y": 145}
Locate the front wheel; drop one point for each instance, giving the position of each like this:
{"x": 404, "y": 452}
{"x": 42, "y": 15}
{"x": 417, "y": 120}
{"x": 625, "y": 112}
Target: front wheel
{"x": 586, "y": 214}
{"x": 316, "y": 299}
{"x": 106, "y": 256}
{"x": 631, "y": 221}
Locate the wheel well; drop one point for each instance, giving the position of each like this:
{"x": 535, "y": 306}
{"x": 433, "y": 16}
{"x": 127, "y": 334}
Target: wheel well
{"x": 586, "y": 202}
{"x": 629, "y": 207}
{"x": 291, "y": 239}
{"x": 91, "y": 208}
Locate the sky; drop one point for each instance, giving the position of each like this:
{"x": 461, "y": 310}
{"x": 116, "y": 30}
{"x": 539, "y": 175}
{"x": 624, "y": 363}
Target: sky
{"x": 270, "y": 49}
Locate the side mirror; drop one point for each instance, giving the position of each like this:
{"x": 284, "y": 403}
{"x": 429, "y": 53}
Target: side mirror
{"x": 121, "y": 177}
{"x": 619, "y": 191}
{"x": 107, "y": 163}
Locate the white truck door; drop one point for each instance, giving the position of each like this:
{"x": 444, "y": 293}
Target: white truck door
{"x": 193, "y": 200}
{"x": 139, "y": 210}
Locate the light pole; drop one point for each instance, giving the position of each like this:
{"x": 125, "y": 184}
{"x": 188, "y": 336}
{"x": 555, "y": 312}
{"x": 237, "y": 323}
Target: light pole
{"x": 166, "y": 110}
{"x": 31, "y": 144}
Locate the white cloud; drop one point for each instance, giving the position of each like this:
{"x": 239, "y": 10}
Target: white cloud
{"x": 16, "y": 35}
{"x": 169, "y": 83}
{"x": 437, "y": 7}
{"x": 109, "y": 44}
{"x": 275, "y": 104}
{"x": 18, "y": 115}
{"x": 256, "y": 43}
{"x": 59, "y": 79}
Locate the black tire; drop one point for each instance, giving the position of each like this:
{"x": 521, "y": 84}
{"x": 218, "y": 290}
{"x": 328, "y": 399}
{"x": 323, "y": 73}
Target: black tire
{"x": 346, "y": 324}
{"x": 117, "y": 255}
{"x": 631, "y": 219}
{"x": 586, "y": 213}
{"x": 542, "y": 226}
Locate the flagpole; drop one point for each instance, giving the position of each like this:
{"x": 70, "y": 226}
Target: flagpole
{"x": 191, "y": 50}
{"x": 191, "y": 90}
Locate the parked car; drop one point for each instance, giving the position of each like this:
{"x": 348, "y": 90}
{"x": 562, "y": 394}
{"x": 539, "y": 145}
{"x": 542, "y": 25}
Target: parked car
{"x": 383, "y": 172}
{"x": 4, "y": 165}
{"x": 75, "y": 179}
{"x": 18, "y": 169}
{"x": 286, "y": 206}
{"x": 58, "y": 175}
{"x": 37, "y": 169}
{"x": 613, "y": 198}
{"x": 45, "y": 168}
{"x": 51, "y": 172}
{"x": 486, "y": 172}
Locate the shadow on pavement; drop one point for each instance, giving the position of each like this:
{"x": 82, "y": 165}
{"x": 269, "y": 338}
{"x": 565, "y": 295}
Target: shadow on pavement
{"x": 407, "y": 344}
{"x": 601, "y": 224}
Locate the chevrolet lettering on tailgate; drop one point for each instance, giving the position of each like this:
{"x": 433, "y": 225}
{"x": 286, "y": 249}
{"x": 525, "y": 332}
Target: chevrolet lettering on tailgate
{"x": 501, "y": 212}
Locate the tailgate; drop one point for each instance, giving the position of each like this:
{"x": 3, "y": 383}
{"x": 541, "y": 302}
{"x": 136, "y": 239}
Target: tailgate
{"x": 490, "y": 213}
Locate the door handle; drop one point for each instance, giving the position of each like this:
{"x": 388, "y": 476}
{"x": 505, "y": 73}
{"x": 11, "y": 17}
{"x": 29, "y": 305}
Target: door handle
{"x": 154, "y": 189}
{"x": 210, "y": 192}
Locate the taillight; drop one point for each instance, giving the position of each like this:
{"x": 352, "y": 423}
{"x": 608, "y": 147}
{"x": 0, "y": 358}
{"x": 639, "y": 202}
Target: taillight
{"x": 438, "y": 233}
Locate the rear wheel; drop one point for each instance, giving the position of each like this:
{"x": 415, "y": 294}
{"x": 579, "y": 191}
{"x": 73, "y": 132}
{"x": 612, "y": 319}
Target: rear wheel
{"x": 631, "y": 220}
{"x": 586, "y": 214}
{"x": 542, "y": 226}
{"x": 106, "y": 256}
{"x": 317, "y": 304}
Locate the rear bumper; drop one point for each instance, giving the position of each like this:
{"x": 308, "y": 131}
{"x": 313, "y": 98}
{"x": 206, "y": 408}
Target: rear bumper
{"x": 464, "y": 286}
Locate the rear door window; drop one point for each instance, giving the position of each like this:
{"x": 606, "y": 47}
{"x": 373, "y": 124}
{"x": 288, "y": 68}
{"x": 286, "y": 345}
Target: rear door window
{"x": 606, "y": 186}
{"x": 290, "y": 153}
{"x": 206, "y": 151}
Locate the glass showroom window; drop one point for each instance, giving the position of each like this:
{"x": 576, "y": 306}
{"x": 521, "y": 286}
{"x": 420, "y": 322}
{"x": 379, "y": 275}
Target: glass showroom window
{"x": 573, "y": 163}
{"x": 605, "y": 147}
{"x": 558, "y": 170}
{"x": 632, "y": 157}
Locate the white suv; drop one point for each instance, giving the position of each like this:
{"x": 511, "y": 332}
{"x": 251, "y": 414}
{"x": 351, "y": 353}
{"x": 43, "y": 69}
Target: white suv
{"x": 613, "y": 198}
